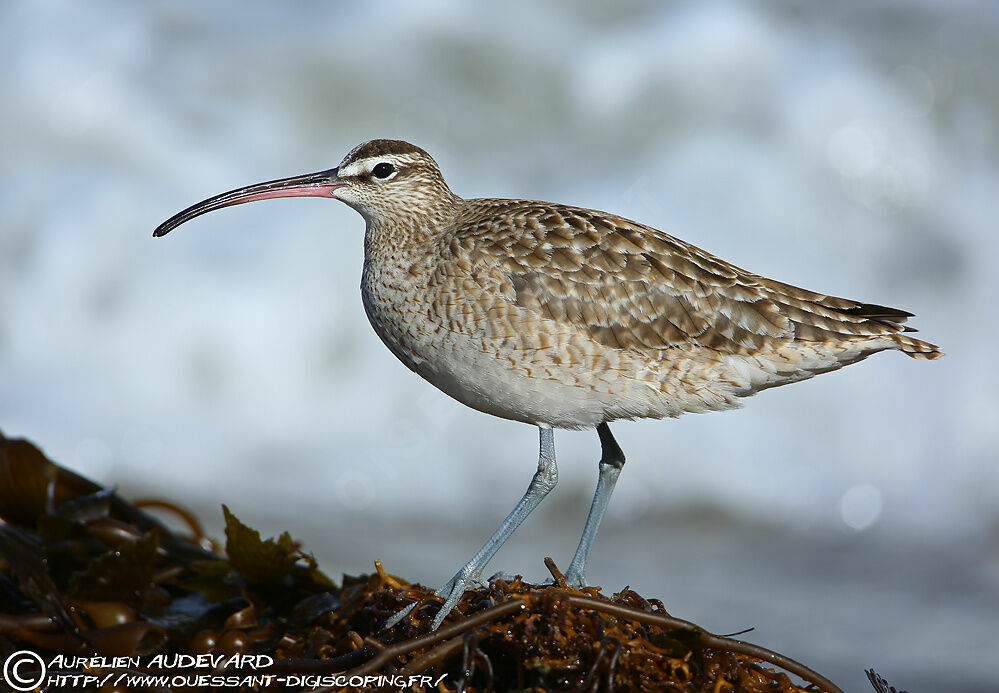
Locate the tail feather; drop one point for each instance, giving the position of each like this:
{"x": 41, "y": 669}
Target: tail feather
{"x": 883, "y": 314}
{"x": 855, "y": 320}
{"x": 916, "y": 348}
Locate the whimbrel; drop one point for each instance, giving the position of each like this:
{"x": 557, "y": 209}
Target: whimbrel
{"x": 563, "y": 317}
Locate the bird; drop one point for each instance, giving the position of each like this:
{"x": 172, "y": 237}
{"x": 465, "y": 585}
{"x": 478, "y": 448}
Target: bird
{"x": 570, "y": 318}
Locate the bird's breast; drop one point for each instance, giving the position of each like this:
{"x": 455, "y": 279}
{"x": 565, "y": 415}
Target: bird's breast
{"x": 397, "y": 311}
{"x": 462, "y": 331}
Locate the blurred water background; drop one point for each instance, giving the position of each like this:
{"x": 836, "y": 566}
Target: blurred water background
{"x": 847, "y": 147}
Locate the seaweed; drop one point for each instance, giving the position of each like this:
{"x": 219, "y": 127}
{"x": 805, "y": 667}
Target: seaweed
{"x": 85, "y": 572}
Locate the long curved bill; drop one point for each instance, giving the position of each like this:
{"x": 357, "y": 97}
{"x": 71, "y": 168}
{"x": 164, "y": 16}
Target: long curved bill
{"x": 321, "y": 184}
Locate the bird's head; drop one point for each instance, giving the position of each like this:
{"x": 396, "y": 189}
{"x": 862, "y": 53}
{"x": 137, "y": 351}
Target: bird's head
{"x": 381, "y": 179}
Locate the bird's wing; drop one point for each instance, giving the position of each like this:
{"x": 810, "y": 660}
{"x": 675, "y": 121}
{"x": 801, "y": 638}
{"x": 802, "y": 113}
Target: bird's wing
{"x": 630, "y": 286}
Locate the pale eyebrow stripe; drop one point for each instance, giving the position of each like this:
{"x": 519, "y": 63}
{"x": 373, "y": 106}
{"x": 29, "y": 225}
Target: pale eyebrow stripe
{"x": 366, "y": 164}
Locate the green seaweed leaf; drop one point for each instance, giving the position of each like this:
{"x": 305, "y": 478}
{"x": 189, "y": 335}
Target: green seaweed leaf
{"x": 258, "y": 561}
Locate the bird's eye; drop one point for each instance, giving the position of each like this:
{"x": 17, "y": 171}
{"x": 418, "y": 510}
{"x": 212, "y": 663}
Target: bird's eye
{"x": 383, "y": 170}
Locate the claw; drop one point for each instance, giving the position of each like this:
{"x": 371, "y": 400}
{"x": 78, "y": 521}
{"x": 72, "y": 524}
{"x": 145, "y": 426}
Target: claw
{"x": 452, "y": 592}
{"x": 399, "y": 615}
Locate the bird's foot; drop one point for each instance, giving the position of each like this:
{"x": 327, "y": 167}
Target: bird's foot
{"x": 452, "y": 591}
{"x": 575, "y": 579}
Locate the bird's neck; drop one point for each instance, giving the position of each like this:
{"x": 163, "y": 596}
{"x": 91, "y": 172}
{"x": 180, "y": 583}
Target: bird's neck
{"x": 403, "y": 238}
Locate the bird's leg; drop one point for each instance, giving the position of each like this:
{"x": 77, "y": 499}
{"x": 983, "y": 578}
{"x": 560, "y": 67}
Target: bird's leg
{"x": 611, "y": 461}
{"x": 544, "y": 481}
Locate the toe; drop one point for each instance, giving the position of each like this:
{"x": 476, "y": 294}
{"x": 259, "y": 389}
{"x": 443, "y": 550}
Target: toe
{"x": 399, "y": 615}
{"x": 452, "y": 592}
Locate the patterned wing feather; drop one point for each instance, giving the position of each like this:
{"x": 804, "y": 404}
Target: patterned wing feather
{"x": 630, "y": 286}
